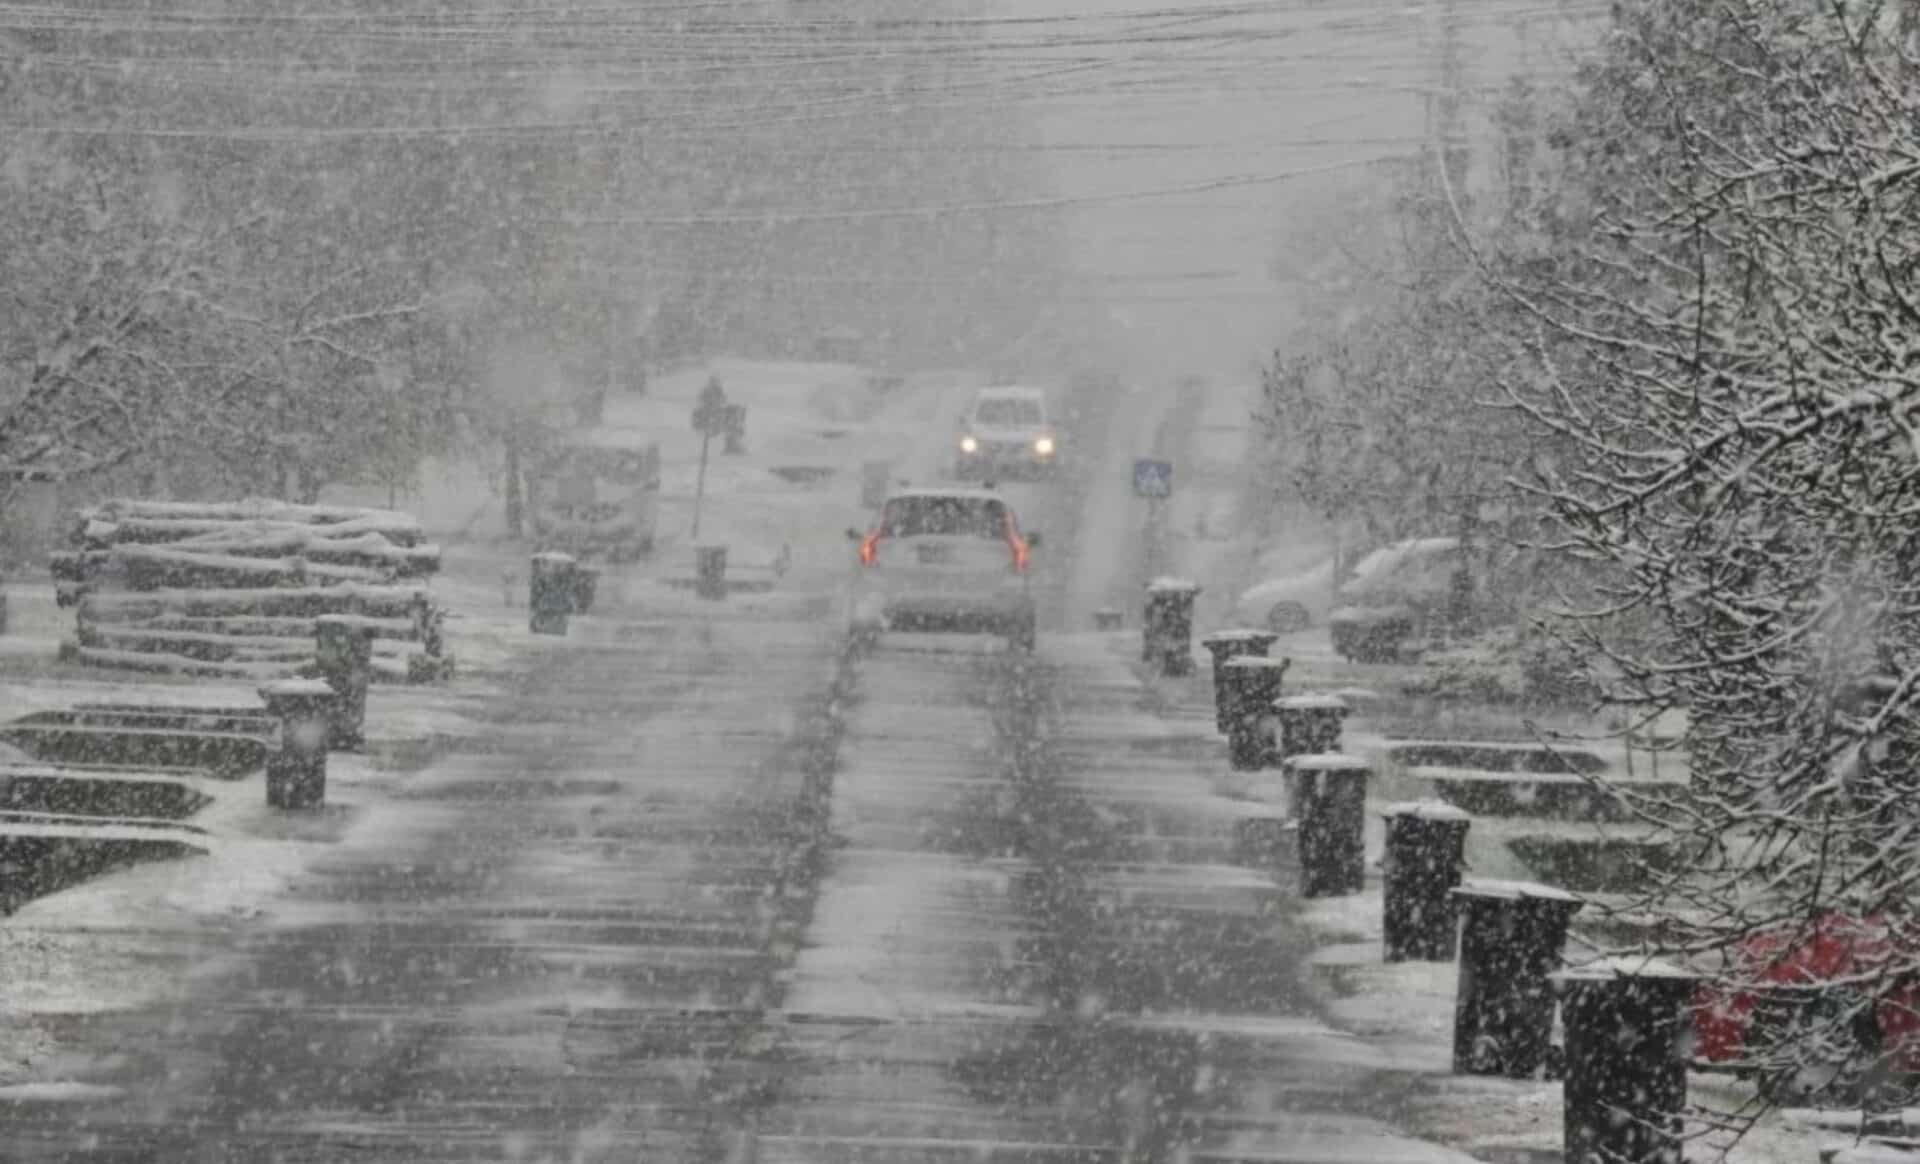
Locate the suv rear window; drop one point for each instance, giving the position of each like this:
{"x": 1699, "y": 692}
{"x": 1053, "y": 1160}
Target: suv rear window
{"x": 1007, "y": 410}
{"x": 980, "y": 517}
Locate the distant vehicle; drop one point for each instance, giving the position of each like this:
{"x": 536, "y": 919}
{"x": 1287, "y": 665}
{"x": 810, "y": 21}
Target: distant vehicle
{"x": 1007, "y": 432}
{"x": 1395, "y": 593}
{"x": 1297, "y": 599}
{"x": 946, "y": 560}
{"x": 1291, "y": 601}
{"x": 595, "y": 495}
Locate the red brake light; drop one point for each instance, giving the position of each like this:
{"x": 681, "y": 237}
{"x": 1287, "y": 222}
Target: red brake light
{"x": 870, "y": 548}
{"x": 1017, "y": 544}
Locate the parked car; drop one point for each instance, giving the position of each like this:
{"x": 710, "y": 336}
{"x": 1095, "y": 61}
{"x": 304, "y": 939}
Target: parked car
{"x": 1007, "y": 432}
{"x": 1290, "y": 601}
{"x": 1395, "y": 593}
{"x": 1811, "y": 1015}
{"x": 946, "y": 560}
{"x": 1396, "y": 574}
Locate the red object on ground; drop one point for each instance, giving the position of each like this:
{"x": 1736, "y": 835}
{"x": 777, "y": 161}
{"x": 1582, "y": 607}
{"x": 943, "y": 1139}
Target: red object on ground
{"x": 1834, "y": 948}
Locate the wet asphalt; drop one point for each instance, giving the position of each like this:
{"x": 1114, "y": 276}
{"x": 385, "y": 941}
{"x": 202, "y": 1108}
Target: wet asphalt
{"x": 928, "y": 902}
{"x": 731, "y": 890}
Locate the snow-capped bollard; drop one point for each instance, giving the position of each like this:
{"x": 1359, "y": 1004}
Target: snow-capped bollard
{"x": 343, "y": 645}
{"x": 1252, "y": 682}
{"x": 734, "y": 429}
{"x": 1166, "y": 634}
{"x": 1426, "y": 851}
{"x": 550, "y": 593}
{"x": 1224, "y": 645}
{"x": 297, "y": 769}
{"x": 711, "y": 572}
{"x": 1328, "y": 794}
{"x": 1310, "y": 724}
{"x": 586, "y": 585}
{"x": 1511, "y": 937}
{"x": 1627, "y": 1022}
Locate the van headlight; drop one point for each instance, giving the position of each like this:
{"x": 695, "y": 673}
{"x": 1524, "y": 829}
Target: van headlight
{"x": 1044, "y": 446}
{"x": 969, "y": 445}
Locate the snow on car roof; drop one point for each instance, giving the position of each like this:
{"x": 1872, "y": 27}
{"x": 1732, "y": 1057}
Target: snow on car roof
{"x": 1398, "y": 551}
{"x": 958, "y": 492}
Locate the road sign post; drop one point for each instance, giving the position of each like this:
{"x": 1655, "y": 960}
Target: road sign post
{"x": 1153, "y": 480}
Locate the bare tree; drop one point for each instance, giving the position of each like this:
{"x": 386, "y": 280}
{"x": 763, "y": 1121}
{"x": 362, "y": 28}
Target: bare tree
{"x": 1714, "y": 325}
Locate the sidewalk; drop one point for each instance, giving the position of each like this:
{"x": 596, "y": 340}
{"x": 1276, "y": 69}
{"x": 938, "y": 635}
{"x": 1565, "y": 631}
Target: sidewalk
{"x": 1210, "y": 943}
{"x": 1405, "y": 1010}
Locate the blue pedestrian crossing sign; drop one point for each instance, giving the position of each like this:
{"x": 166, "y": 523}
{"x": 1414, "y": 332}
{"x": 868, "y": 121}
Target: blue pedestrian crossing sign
{"x": 1153, "y": 478}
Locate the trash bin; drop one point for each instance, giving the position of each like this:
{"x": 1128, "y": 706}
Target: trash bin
{"x": 1310, "y": 724}
{"x": 1512, "y": 934}
{"x": 733, "y": 420}
{"x": 1328, "y": 794}
{"x": 343, "y": 648}
{"x": 297, "y": 768}
{"x": 1251, "y": 684}
{"x": 1426, "y": 852}
{"x": 1626, "y": 1021}
{"x": 550, "y": 593}
{"x": 1167, "y": 631}
{"x": 1223, "y": 645}
{"x": 711, "y": 572}
{"x": 586, "y": 586}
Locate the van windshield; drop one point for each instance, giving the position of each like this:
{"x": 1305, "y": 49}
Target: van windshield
{"x": 1007, "y": 410}
{"x": 981, "y": 517}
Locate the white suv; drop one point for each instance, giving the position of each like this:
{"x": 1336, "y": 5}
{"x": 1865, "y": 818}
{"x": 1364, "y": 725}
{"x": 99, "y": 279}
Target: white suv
{"x": 946, "y": 559}
{"x": 1007, "y": 431}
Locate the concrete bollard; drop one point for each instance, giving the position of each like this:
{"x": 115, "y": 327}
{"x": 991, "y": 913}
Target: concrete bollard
{"x": 550, "y": 593}
{"x": 711, "y": 572}
{"x": 1512, "y": 934}
{"x": 1167, "y": 630}
{"x": 1328, "y": 794}
{"x": 1223, "y": 645}
{"x": 1252, "y": 682}
{"x": 297, "y": 769}
{"x": 429, "y": 624}
{"x": 1426, "y": 851}
{"x": 1310, "y": 724}
{"x": 344, "y": 648}
{"x": 734, "y": 431}
{"x": 586, "y": 586}
{"x": 1626, "y": 1022}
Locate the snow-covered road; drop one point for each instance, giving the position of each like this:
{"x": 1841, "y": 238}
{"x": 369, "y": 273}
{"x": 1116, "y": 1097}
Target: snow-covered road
{"x": 711, "y": 887}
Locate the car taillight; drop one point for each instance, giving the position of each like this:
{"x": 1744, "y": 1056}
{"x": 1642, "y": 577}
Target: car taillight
{"x": 1017, "y": 545}
{"x": 870, "y": 548}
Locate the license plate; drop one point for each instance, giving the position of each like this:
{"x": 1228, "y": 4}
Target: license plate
{"x": 935, "y": 555}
